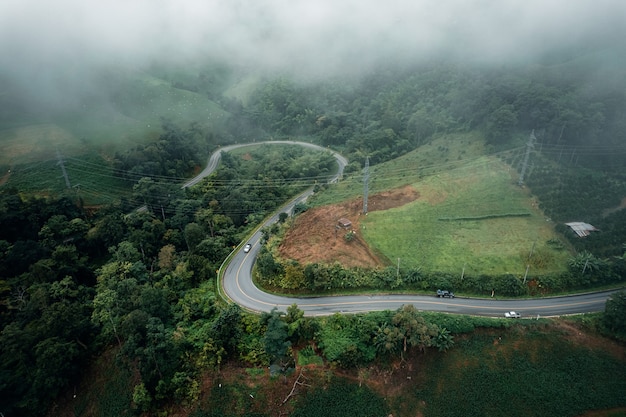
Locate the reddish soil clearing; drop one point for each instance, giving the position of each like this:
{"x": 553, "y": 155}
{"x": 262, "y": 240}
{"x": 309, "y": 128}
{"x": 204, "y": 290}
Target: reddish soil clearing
{"x": 316, "y": 236}
{"x": 5, "y": 178}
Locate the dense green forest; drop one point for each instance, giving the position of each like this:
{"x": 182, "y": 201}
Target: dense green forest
{"x": 138, "y": 274}
{"x": 73, "y": 283}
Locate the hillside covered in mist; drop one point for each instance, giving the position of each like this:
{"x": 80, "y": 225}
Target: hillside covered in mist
{"x": 106, "y": 110}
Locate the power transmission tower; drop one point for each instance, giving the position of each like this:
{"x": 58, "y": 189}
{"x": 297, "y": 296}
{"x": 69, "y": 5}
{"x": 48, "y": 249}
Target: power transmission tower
{"x": 366, "y": 179}
{"x": 67, "y": 180}
{"x": 529, "y": 145}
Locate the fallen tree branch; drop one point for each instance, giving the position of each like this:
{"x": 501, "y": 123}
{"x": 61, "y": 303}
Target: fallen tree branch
{"x": 295, "y": 384}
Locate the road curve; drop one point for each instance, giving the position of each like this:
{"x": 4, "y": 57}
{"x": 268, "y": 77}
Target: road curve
{"x": 238, "y": 286}
{"x": 214, "y": 159}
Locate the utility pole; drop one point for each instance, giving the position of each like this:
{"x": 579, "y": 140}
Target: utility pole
{"x": 526, "y": 273}
{"x": 67, "y": 180}
{"x": 529, "y": 145}
{"x": 366, "y": 178}
{"x": 532, "y": 250}
{"x": 398, "y": 269}
{"x": 585, "y": 267}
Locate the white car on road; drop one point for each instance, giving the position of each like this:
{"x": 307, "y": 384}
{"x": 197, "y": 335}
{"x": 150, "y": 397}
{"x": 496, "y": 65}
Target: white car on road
{"x": 512, "y": 315}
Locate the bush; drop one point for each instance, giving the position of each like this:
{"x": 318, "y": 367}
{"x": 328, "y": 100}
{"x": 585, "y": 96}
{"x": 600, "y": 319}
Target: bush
{"x": 341, "y": 399}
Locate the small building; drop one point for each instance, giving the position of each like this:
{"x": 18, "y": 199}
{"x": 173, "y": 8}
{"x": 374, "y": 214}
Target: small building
{"x": 345, "y": 223}
{"x": 581, "y": 229}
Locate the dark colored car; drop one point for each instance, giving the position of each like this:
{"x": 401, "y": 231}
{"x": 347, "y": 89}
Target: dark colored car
{"x": 445, "y": 293}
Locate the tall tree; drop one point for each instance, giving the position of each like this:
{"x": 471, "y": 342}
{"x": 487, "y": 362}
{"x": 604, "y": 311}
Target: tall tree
{"x": 614, "y": 318}
{"x": 276, "y": 336}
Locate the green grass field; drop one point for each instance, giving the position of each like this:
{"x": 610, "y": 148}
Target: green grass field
{"x": 471, "y": 218}
{"x": 131, "y": 114}
{"x": 89, "y": 136}
{"x": 442, "y": 154}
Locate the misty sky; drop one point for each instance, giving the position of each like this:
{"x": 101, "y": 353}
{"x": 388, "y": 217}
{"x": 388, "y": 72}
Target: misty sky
{"x": 48, "y": 41}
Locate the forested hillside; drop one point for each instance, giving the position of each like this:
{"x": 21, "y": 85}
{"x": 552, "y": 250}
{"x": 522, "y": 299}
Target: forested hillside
{"x": 392, "y": 111}
{"x": 136, "y": 272}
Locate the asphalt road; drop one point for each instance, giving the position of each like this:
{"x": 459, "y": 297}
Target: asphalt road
{"x": 214, "y": 159}
{"x": 238, "y": 286}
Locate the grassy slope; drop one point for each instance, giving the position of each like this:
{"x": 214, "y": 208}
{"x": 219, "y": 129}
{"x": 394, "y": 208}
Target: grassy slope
{"x": 456, "y": 179}
{"x": 89, "y": 136}
{"x": 418, "y": 235}
{"x": 131, "y": 114}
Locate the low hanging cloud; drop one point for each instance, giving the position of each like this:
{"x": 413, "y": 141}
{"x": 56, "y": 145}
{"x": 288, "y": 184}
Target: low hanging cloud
{"x": 63, "y": 41}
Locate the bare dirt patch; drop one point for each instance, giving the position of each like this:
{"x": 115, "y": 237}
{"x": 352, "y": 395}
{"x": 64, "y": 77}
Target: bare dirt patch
{"x": 5, "y": 177}
{"x": 316, "y": 236}
{"x": 573, "y": 332}
{"x": 615, "y": 412}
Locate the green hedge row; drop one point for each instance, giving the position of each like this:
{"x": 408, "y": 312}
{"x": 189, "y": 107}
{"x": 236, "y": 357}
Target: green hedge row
{"x": 321, "y": 278}
{"x": 485, "y": 217}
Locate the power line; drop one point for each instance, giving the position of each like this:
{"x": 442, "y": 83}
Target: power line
{"x": 529, "y": 147}
{"x": 366, "y": 178}
{"x": 60, "y": 159}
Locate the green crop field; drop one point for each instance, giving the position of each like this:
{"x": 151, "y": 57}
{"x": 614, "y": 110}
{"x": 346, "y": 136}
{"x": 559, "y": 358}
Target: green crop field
{"x": 525, "y": 371}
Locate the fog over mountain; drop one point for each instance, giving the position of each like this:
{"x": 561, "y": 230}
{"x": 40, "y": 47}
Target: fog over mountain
{"x": 56, "y": 46}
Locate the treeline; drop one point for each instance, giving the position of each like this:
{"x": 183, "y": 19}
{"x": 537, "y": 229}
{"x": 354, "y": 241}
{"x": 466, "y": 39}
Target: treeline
{"x": 176, "y": 153}
{"x": 585, "y": 271}
{"x": 390, "y": 112}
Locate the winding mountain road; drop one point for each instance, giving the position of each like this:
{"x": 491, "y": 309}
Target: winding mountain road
{"x": 238, "y": 286}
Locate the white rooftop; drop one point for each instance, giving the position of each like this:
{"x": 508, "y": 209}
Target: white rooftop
{"x": 581, "y": 229}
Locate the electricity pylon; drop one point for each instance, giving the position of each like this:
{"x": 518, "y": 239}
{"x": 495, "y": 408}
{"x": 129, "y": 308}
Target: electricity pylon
{"x": 366, "y": 178}
{"x": 529, "y": 145}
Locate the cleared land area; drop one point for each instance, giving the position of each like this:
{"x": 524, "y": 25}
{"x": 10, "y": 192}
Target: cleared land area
{"x": 130, "y": 113}
{"x": 316, "y": 237}
{"x": 473, "y": 218}
{"x": 461, "y": 213}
